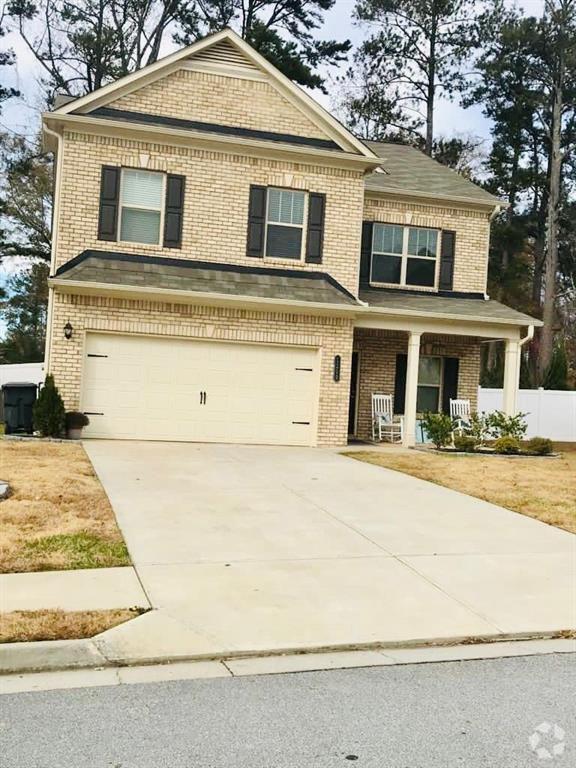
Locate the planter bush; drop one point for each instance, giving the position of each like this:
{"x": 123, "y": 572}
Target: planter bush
{"x": 439, "y": 427}
{"x": 49, "y": 414}
{"x": 541, "y": 446}
{"x": 75, "y": 422}
{"x": 501, "y": 425}
{"x": 465, "y": 443}
{"x": 507, "y": 445}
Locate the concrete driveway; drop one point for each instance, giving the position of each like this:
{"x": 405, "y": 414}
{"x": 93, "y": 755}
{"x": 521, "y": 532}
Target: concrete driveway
{"x": 253, "y": 549}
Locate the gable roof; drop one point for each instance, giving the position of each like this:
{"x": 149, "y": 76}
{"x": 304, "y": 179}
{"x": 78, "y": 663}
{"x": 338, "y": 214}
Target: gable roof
{"x": 409, "y": 171}
{"x": 214, "y": 49}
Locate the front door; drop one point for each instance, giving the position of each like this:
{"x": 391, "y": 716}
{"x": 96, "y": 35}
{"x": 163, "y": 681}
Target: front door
{"x": 353, "y": 396}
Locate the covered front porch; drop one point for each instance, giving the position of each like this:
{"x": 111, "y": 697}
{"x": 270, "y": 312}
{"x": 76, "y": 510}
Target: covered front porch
{"x": 424, "y": 363}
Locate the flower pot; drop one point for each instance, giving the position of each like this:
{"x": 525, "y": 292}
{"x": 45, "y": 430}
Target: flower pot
{"x": 74, "y": 434}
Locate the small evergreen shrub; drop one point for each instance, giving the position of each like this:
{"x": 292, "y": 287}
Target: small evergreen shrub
{"x": 49, "y": 414}
{"x": 76, "y": 420}
{"x": 439, "y": 427}
{"x": 541, "y": 446}
{"x": 507, "y": 445}
{"x": 465, "y": 443}
{"x": 478, "y": 427}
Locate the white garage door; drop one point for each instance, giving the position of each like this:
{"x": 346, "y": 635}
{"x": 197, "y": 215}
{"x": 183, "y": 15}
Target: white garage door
{"x": 143, "y": 388}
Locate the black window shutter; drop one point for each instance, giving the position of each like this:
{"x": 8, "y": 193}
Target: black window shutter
{"x": 174, "y": 210}
{"x": 109, "y": 200}
{"x": 400, "y": 383}
{"x": 366, "y": 253}
{"x": 315, "y": 236}
{"x": 256, "y": 222}
{"x": 447, "y": 251}
{"x": 450, "y": 387}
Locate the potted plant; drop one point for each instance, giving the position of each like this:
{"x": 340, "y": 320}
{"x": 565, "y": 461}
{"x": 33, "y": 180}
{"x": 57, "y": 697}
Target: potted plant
{"x": 75, "y": 422}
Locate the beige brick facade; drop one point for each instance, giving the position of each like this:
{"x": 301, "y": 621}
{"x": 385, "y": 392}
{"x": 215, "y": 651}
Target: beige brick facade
{"x": 377, "y": 366}
{"x": 472, "y": 234}
{"x": 214, "y": 98}
{"x": 216, "y": 202}
{"x": 333, "y": 336}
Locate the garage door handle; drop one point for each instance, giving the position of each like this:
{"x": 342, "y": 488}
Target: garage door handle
{"x": 202, "y": 398}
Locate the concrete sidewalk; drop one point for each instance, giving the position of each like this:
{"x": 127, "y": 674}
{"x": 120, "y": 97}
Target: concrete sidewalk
{"x": 82, "y": 590}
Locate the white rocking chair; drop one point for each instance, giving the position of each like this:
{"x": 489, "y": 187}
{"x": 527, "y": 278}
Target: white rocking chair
{"x": 386, "y": 426}
{"x": 461, "y": 411}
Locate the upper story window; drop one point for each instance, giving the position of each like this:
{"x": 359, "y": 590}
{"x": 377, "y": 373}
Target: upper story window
{"x": 405, "y": 256}
{"x": 141, "y": 206}
{"x": 285, "y": 212}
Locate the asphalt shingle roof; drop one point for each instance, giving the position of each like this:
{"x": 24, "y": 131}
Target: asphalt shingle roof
{"x": 410, "y": 170}
{"x": 482, "y": 310}
{"x": 206, "y": 277}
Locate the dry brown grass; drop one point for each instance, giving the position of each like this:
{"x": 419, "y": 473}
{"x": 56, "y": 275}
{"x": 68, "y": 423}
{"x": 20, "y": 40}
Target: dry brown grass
{"x": 540, "y": 488}
{"x": 57, "y": 516}
{"x": 27, "y": 626}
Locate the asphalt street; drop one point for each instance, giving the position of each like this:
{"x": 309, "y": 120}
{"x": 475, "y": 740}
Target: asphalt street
{"x": 502, "y": 713}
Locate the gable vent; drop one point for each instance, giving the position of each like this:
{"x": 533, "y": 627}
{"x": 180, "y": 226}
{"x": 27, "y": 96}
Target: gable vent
{"x": 224, "y": 53}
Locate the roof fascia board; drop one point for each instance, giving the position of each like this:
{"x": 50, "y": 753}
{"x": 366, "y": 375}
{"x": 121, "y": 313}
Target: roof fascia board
{"x": 380, "y": 315}
{"x": 201, "y": 139}
{"x": 423, "y": 325}
{"x": 81, "y": 287}
{"x": 409, "y": 194}
{"x": 297, "y": 96}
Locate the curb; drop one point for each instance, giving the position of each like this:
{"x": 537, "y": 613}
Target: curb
{"x": 61, "y": 655}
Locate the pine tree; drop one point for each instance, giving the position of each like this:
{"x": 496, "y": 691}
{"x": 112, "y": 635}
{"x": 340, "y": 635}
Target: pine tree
{"x": 49, "y": 412}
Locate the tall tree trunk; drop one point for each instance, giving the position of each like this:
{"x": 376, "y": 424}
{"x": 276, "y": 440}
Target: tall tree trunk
{"x": 431, "y": 88}
{"x": 551, "y": 265}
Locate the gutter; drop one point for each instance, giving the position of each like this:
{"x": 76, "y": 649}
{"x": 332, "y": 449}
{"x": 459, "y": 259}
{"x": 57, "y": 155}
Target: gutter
{"x": 54, "y": 245}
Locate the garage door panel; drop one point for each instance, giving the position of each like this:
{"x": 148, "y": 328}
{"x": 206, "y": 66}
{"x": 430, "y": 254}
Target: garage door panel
{"x": 149, "y": 388}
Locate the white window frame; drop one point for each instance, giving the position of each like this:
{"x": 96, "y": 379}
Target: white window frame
{"x": 162, "y": 208}
{"x": 302, "y": 226}
{"x": 439, "y": 386}
{"x": 404, "y": 256}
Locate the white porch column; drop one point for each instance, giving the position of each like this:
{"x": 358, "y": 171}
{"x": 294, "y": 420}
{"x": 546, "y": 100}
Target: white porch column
{"x": 411, "y": 389}
{"x": 511, "y": 376}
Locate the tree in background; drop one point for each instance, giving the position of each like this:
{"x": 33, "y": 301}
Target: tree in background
{"x": 24, "y": 310}
{"x": 25, "y": 200}
{"x": 413, "y": 55}
{"x": 529, "y": 165}
{"x": 6, "y": 60}
{"x": 84, "y": 44}
{"x": 281, "y": 30}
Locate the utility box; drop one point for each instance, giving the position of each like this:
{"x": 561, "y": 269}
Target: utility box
{"x": 18, "y": 400}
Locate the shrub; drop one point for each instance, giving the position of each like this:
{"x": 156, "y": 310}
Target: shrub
{"x": 49, "y": 414}
{"x": 466, "y": 443}
{"x": 507, "y": 445}
{"x": 501, "y": 425}
{"x": 439, "y": 427}
{"x": 541, "y": 446}
{"x": 76, "y": 420}
{"x": 478, "y": 427}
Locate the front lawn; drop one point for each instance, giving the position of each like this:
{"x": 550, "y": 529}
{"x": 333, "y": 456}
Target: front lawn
{"x": 542, "y": 488}
{"x": 57, "y": 516}
{"x": 28, "y": 626}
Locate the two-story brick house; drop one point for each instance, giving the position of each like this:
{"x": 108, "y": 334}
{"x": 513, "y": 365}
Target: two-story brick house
{"x": 231, "y": 264}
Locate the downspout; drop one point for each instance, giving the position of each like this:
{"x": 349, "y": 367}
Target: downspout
{"x": 54, "y": 246}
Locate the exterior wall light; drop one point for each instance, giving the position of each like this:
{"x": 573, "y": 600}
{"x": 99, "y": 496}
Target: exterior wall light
{"x": 68, "y": 330}
{"x": 337, "y": 366}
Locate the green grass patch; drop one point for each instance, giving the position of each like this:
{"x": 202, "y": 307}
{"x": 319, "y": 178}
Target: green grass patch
{"x": 80, "y": 550}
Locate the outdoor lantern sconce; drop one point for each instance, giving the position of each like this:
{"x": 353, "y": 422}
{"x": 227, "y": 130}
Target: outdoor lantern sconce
{"x": 337, "y": 365}
{"x": 68, "y": 330}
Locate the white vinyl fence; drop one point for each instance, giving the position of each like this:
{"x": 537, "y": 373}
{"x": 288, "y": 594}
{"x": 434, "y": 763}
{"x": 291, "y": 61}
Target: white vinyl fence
{"x": 551, "y": 412}
{"x": 29, "y": 373}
